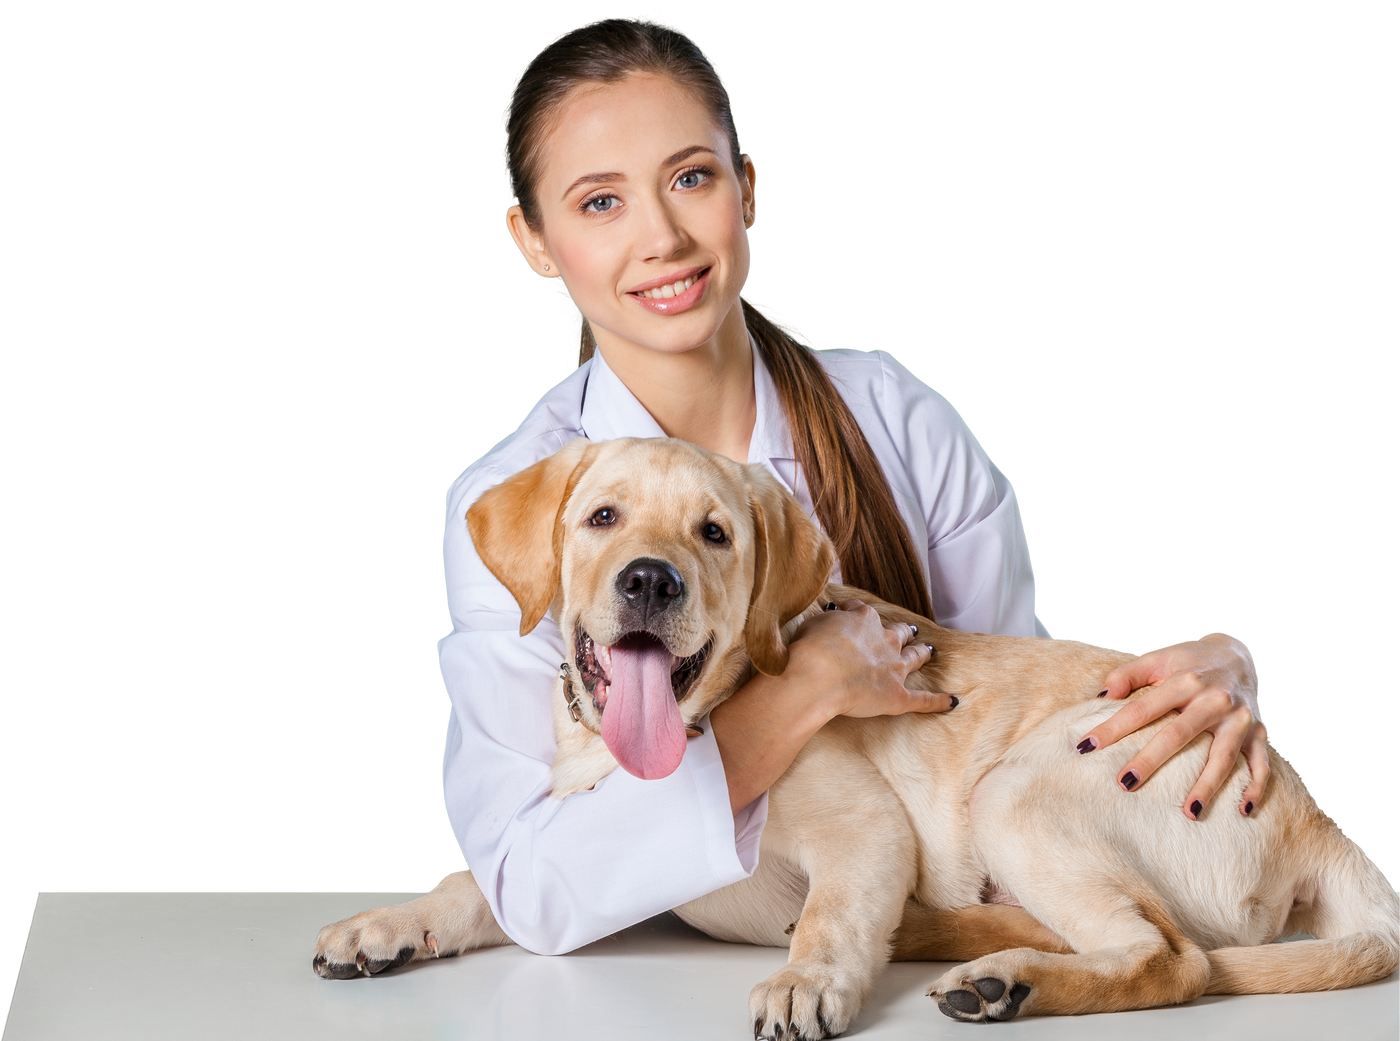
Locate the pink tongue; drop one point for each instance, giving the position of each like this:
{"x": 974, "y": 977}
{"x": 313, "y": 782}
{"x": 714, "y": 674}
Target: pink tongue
{"x": 642, "y": 726}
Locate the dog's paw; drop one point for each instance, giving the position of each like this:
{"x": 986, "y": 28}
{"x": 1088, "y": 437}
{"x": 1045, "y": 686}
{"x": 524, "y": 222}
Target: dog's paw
{"x": 803, "y": 1002}
{"x": 372, "y": 942}
{"x": 981, "y": 991}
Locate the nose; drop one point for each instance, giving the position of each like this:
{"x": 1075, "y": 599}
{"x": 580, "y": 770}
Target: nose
{"x": 660, "y": 236}
{"x": 649, "y": 587}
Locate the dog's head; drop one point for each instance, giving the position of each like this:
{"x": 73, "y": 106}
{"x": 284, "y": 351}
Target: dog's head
{"x": 665, "y": 565}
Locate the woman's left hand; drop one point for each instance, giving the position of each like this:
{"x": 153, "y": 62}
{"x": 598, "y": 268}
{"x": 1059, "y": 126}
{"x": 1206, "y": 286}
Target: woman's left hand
{"x": 1212, "y": 685}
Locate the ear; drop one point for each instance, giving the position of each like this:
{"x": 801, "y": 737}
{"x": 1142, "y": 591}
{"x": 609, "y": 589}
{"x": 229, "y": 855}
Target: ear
{"x": 792, "y": 565}
{"x": 516, "y": 527}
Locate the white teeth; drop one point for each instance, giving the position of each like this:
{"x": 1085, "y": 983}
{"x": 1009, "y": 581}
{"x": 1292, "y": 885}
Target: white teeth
{"x": 674, "y": 289}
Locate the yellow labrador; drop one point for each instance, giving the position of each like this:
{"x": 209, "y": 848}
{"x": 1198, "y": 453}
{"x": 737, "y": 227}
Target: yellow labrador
{"x": 673, "y": 572}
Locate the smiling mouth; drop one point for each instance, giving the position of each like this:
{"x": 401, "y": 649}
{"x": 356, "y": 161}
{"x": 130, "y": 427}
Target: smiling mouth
{"x": 673, "y": 289}
{"x": 594, "y": 664}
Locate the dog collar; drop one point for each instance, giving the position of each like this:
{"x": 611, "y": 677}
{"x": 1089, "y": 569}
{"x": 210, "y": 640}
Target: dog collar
{"x": 570, "y": 695}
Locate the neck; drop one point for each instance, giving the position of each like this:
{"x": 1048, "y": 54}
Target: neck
{"x": 704, "y": 395}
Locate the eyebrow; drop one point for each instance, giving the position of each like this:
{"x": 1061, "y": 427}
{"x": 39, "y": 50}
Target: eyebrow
{"x": 603, "y": 178}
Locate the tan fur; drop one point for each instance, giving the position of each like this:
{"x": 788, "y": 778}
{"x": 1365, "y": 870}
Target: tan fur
{"x": 884, "y": 834}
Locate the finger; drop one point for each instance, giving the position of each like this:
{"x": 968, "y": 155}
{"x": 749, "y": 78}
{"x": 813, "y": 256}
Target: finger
{"x": 1225, "y": 746}
{"x": 852, "y": 604}
{"x": 923, "y": 701}
{"x": 916, "y": 656}
{"x": 1140, "y": 672}
{"x": 1256, "y": 754}
{"x": 1133, "y": 716}
{"x": 906, "y": 630}
{"x": 1168, "y": 741}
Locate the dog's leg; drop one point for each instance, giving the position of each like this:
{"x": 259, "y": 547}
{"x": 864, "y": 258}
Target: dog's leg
{"x": 965, "y": 933}
{"x": 856, "y": 892}
{"x": 453, "y": 919}
{"x": 1346, "y": 902}
{"x": 1131, "y": 956}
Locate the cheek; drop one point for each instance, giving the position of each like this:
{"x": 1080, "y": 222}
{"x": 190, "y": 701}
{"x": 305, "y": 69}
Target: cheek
{"x": 725, "y": 592}
{"x": 590, "y": 265}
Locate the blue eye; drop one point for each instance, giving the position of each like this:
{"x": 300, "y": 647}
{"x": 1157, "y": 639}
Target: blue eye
{"x": 693, "y": 178}
{"x": 601, "y": 204}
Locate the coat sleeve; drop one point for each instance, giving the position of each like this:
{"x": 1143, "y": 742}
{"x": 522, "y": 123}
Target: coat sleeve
{"x": 562, "y": 873}
{"x": 980, "y": 573}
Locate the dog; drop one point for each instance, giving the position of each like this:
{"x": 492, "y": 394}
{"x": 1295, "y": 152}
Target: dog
{"x": 674, "y": 573}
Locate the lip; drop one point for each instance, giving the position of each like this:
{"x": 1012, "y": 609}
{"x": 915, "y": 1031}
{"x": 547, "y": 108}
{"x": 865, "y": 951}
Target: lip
{"x": 675, "y": 304}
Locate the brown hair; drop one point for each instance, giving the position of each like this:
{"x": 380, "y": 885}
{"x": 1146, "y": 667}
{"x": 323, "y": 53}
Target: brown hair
{"x": 850, "y": 493}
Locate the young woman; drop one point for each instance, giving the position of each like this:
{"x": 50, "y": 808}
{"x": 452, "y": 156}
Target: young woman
{"x": 631, "y": 188}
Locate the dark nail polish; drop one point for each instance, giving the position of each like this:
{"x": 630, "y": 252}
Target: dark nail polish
{"x": 1129, "y": 780}
{"x": 831, "y": 606}
{"x": 913, "y": 630}
{"x": 1087, "y": 745}
{"x": 953, "y": 703}
{"x": 1103, "y": 692}
{"x": 1248, "y": 808}
{"x": 1196, "y": 809}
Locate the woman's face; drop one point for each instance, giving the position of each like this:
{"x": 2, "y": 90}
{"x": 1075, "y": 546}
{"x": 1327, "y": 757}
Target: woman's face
{"x": 643, "y": 215}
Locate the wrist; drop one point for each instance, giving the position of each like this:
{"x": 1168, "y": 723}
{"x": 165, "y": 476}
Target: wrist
{"x": 805, "y": 705}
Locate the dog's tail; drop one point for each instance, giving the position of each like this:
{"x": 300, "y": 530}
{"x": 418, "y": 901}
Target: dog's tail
{"x": 1347, "y": 904}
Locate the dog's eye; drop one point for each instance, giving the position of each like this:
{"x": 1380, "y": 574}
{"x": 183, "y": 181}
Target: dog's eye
{"x": 602, "y": 518}
{"x": 713, "y": 532}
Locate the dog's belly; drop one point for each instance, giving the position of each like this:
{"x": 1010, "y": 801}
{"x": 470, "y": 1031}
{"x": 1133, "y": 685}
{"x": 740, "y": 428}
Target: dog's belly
{"x": 1046, "y": 809}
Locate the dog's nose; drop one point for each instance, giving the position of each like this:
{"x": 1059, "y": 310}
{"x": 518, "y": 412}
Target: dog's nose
{"x": 650, "y": 586}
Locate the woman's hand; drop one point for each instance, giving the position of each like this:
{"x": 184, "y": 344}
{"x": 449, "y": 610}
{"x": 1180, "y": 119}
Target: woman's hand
{"x": 843, "y": 662}
{"x": 859, "y": 664}
{"x": 1212, "y": 685}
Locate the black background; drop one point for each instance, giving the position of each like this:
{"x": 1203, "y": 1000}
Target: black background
{"x": 1127, "y": 256}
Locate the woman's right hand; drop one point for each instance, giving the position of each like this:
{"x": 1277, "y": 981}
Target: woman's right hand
{"x": 851, "y": 658}
{"x": 844, "y": 662}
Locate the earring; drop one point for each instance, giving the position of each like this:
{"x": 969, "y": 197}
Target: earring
{"x": 546, "y": 267}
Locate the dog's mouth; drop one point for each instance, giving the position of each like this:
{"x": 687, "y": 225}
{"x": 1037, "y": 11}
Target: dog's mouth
{"x": 594, "y": 664}
{"x": 636, "y": 684}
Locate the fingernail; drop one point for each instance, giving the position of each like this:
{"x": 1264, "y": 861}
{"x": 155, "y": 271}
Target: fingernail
{"x": 1129, "y": 780}
{"x": 953, "y": 703}
{"x": 913, "y": 630}
{"x": 1248, "y": 808}
{"x": 1087, "y": 745}
{"x": 830, "y": 606}
{"x": 1103, "y": 692}
{"x": 1196, "y": 809}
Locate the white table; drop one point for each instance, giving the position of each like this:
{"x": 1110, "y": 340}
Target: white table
{"x": 197, "y": 966}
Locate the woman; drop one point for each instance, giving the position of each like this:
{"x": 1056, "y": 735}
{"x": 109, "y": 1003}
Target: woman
{"x": 632, "y": 189}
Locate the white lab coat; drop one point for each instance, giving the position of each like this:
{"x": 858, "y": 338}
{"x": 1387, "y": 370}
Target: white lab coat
{"x": 560, "y": 874}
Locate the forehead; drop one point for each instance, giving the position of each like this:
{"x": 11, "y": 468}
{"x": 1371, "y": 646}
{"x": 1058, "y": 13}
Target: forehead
{"x": 627, "y": 127}
{"x": 666, "y": 475}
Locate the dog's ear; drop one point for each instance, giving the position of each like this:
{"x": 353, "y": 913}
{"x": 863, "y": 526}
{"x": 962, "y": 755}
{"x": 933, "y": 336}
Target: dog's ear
{"x": 516, "y": 527}
{"x": 792, "y": 564}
